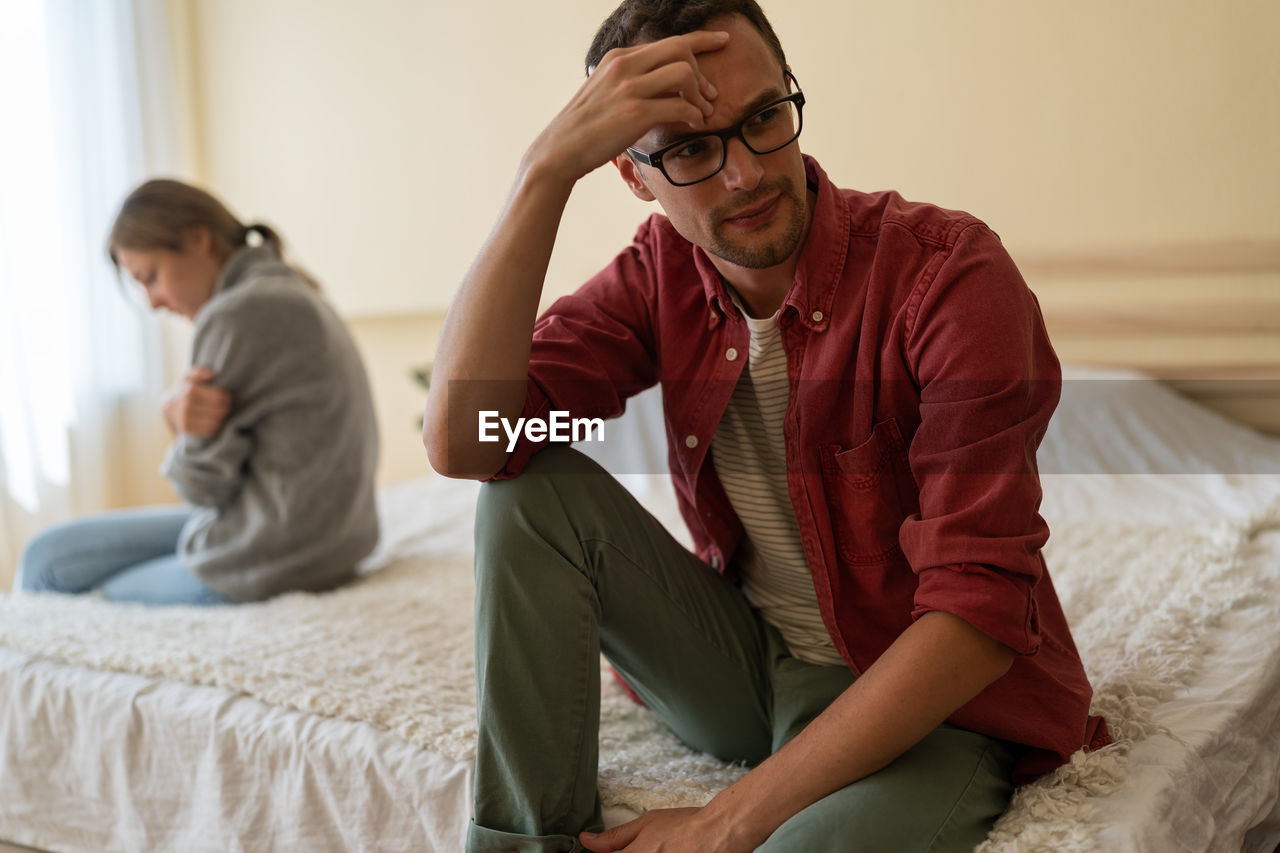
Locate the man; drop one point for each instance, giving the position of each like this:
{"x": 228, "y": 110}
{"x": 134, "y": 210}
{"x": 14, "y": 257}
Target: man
{"x": 854, "y": 388}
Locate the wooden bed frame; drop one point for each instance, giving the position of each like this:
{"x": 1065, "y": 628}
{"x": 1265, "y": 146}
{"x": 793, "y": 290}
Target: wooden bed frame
{"x": 1205, "y": 317}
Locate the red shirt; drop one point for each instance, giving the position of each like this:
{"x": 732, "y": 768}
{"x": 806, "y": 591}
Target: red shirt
{"x": 921, "y": 383}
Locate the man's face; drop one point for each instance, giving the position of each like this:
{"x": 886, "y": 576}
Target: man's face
{"x": 752, "y": 213}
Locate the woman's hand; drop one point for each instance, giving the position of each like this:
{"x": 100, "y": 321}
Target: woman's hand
{"x": 196, "y": 407}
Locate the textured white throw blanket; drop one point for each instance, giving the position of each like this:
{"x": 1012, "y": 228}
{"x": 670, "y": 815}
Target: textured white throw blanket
{"x": 394, "y": 649}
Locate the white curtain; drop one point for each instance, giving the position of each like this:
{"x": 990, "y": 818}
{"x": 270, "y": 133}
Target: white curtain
{"x": 88, "y": 110}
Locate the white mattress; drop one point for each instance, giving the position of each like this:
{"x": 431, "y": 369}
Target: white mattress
{"x": 97, "y": 760}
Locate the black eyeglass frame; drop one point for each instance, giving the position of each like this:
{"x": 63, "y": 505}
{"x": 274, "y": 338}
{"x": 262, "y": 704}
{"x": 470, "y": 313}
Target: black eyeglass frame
{"x": 729, "y": 133}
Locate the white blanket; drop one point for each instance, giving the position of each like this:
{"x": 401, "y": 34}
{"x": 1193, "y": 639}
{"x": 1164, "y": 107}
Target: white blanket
{"x": 394, "y": 650}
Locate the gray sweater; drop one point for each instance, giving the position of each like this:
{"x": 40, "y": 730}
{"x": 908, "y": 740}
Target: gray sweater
{"x": 283, "y": 494}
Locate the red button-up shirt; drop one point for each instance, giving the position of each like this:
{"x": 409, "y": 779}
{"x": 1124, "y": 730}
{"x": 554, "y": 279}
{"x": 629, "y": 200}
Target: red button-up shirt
{"x": 921, "y": 382}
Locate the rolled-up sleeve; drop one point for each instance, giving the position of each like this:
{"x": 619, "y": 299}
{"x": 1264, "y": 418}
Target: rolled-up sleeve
{"x": 592, "y": 350}
{"x": 266, "y": 353}
{"x": 989, "y": 382}
{"x": 207, "y": 472}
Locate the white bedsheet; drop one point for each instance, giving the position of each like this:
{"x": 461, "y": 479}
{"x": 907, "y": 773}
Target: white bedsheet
{"x": 1210, "y": 770}
{"x": 1210, "y": 780}
{"x": 98, "y": 761}
{"x": 92, "y": 760}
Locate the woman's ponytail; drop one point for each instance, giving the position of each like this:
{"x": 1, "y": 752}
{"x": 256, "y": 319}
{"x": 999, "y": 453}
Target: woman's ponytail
{"x": 260, "y": 234}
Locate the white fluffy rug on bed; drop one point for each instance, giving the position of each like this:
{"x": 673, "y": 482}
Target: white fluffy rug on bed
{"x": 394, "y": 649}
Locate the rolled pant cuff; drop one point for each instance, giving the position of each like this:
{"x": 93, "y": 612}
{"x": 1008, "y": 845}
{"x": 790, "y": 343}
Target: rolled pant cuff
{"x": 484, "y": 840}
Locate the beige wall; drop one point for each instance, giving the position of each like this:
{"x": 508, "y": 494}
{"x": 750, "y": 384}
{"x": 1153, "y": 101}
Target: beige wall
{"x": 392, "y": 347}
{"x": 381, "y": 136}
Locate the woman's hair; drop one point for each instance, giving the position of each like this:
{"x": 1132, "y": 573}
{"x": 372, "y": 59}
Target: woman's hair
{"x": 157, "y": 214}
{"x": 636, "y": 21}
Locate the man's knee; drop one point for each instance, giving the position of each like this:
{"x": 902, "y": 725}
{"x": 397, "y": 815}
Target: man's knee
{"x": 556, "y": 481}
{"x": 552, "y": 460}
{"x": 941, "y": 796}
{"x": 529, "y": 518}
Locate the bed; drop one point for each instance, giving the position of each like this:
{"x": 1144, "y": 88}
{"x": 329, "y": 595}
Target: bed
{"x": 345, "y": 721}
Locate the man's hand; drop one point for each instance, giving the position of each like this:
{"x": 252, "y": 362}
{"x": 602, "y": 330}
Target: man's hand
{"x": 632, "y": 90}
{"x": 668, "y": 831}
{"x": 934, "y": 667}
{"x": 196, "y": 407}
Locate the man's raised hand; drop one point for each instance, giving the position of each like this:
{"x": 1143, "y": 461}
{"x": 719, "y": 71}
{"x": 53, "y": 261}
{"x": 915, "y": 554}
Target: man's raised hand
{"x": 632, "y": 90}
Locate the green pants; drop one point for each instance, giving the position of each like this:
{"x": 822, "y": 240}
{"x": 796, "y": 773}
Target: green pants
{"x": 568, "y": 564}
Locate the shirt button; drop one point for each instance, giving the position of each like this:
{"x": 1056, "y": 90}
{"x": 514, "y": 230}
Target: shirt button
{"x": 691, "y": 441}
{"x": 817, "y": 316}
{"x": 731, "y": 354}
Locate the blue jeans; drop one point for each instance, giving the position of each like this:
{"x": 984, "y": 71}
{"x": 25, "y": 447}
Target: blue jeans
{"x": 130, "y": 555}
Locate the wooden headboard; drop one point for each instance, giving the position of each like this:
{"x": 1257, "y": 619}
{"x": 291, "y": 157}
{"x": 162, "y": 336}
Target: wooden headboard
{"x": 1204, "y": 317}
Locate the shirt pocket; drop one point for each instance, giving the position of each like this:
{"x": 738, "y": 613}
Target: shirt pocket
{"x": 865, "y": 491}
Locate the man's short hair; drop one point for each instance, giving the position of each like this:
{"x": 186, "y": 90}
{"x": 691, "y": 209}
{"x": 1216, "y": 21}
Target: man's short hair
{"x": 636, "y": 21}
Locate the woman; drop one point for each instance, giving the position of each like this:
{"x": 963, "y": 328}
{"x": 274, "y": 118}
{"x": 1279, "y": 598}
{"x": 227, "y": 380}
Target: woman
{"x": 275, "y": 442}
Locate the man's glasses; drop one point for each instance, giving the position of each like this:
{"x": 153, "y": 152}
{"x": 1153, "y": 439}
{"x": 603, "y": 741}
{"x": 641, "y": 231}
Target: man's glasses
{"x": 696, "y": 158}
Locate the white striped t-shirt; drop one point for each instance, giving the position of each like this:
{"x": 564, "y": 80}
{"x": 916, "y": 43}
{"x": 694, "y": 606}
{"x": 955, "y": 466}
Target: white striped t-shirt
{"x": 750, "y": 458}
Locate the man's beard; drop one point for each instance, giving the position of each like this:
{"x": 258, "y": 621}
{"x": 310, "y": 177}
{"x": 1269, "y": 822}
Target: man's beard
{"x": 762, "y": 256}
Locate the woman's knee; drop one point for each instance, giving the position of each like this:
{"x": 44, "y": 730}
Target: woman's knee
{"x": 37, "y": 568}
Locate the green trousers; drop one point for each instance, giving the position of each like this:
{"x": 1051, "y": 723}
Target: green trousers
{"x": 568, "y": 564}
